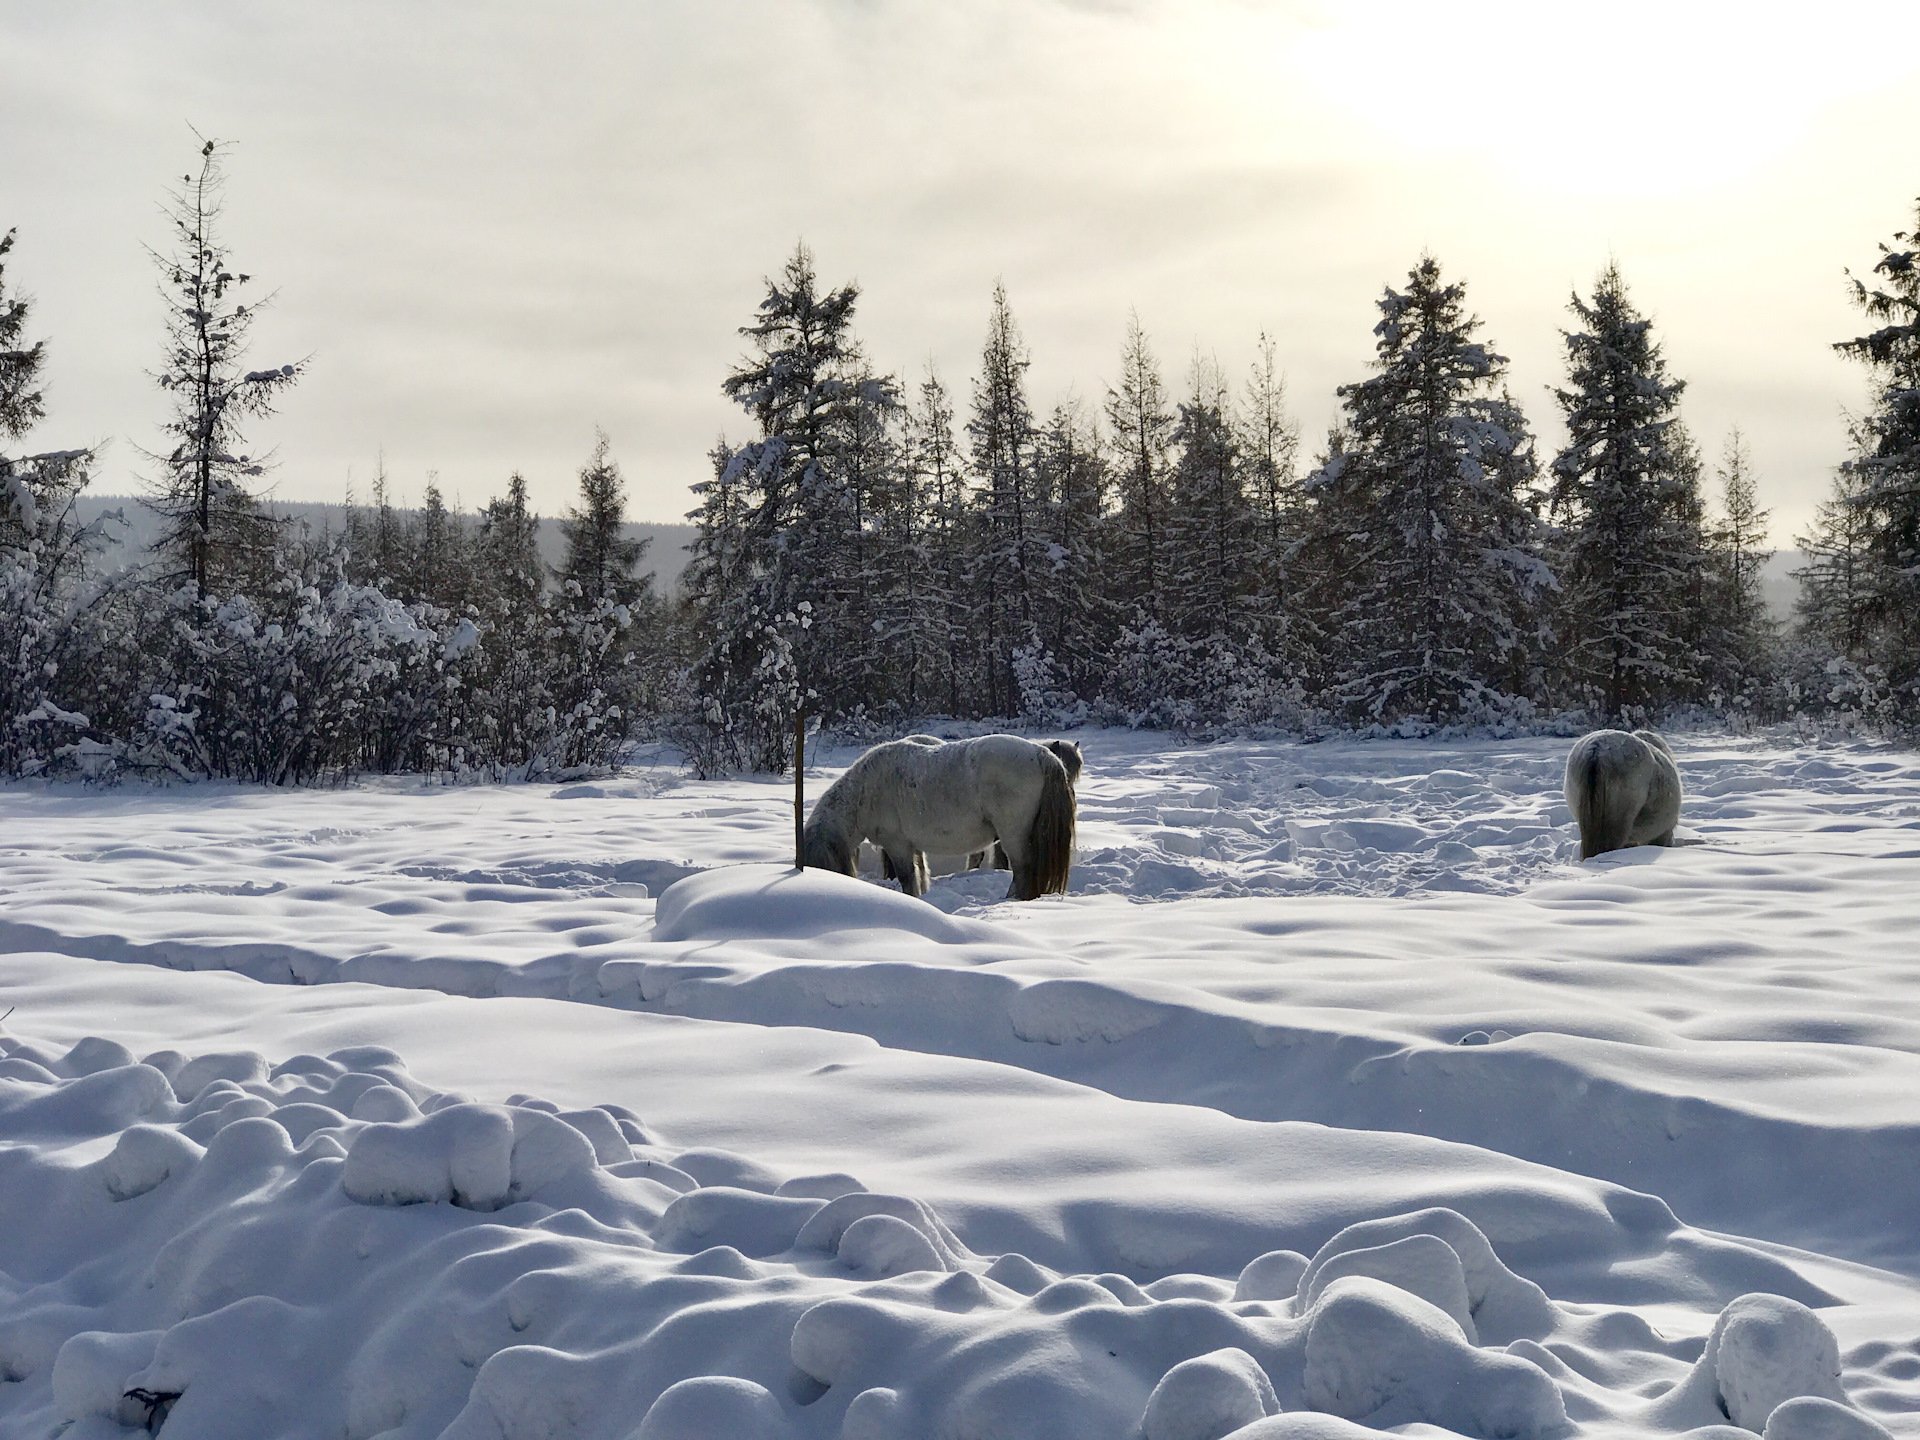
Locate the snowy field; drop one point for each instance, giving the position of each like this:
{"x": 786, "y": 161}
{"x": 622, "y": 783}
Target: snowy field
{"x": 1337, "y": 1092}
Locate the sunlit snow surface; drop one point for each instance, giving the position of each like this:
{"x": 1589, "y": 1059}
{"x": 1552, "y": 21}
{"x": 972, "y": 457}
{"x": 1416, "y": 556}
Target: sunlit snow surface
{"x": 1337, "y": 1093}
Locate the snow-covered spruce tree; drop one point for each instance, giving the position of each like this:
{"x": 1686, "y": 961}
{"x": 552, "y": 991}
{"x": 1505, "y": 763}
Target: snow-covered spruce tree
{"x": 1330, "y": 541}
{"x": 1002, "y": 439}
{"x": 1830, "y": 663}
{"x": 1212, "y": 529}
{"x": 1235, "y": 666}
{"x": 1141, "y": 419}
{"x": 514, "y": 708}
{"x": 1076, "y": 619}
{"x": 908, "y": 595}
{"x": 437, "y": 552}
{"x": 22, "y": 406}
{"x": 944, "y": 656}
{"x": 864, "y": 604}
{"x": 54, "y": 615}
{"x": 605, "y": 621}
{"x": 1741, "y": 636}
{"x": 1625, "y": 498}
{"x": 715, "y": 679}
{"x": 1884, "y": 471}
{"x": 1426, "y": 505}
{"x": 789, "y": 485}
{"x": 216, "y": 536}
{"x": 377, "y": 552}
{"x": 1269, "y": 448}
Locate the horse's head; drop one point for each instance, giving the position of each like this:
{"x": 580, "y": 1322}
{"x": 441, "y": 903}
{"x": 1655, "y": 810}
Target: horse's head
{"x": 1068, "y": 753}
{"x": 825, "y": 847}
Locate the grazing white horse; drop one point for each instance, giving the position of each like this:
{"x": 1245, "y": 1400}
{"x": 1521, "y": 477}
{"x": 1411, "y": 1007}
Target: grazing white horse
{"x": 953, "y": 797}
{"x": 1623, "y": 789}
{"x": 993, "y": 857}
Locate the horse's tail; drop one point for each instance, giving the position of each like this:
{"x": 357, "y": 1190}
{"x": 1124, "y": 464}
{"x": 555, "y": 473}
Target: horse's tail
{"x": 1049, "y": 855}
{"x": 1601, "y": 808}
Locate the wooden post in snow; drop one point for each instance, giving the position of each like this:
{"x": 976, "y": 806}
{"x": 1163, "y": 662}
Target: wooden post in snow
{"x": 799, "y": 783}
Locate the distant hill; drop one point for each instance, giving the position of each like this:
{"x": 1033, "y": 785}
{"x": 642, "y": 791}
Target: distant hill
{"x": 666, "y": 553}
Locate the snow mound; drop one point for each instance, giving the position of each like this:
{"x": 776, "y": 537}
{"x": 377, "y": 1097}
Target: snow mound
{"x": 1066, "y": 1012}
{"x": 144, "y": 1157}
{"x": 1765, "y": 1353}
{"x": 880, "y": 1246}
{"x": 1305, "y": 1425}
{"x": 710, "y": 1406}
{"x": 1765, "y": 1350}
{"x": 745, "y": 1220}
{"x": 479, "y": 1157}
{"x": 1272, "y": 1276}
{"x": 1811, "y": 1417}
{"x": 827, "y": 1229}
{"x": 1209, "y": 1396}
{"x": 1500, "y": 1306}
{"x": 1422, "y": 1265}
{"x": 748, "y": 902}
{"x": 1382, "y": 1356}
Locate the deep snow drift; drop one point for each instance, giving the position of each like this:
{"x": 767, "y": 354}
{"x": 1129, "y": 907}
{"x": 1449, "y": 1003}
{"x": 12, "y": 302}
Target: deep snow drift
{"x": 1337, "y": 1098}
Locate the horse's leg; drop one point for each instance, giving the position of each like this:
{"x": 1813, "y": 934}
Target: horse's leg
{"x": 1013, "y": 852}
{"x": 900, "y": 864}
{"x": 991, "y": 858}
{"x": 920, "y": 870}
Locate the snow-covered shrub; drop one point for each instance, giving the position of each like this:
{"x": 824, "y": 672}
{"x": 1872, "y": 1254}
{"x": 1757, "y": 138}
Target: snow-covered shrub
{"x": 738, "y": 710}
{"x": 1046, "y": 697}
{"x": 1166, "y": 681}
{"x": 1150, "y": 680}
{"x": 54, "y": 615}
{"x": 596, "y": 686}
{"x": 318, "y": 674}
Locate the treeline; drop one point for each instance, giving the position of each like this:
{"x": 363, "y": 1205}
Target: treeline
{"x": 245, "y": 649}
{"x": 880, "y": 551}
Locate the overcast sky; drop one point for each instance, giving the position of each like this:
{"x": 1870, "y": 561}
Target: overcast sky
{"x": 494, "y": 226}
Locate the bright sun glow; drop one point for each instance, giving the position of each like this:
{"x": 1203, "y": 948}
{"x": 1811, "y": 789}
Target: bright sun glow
{"x": 1633, "y": 98}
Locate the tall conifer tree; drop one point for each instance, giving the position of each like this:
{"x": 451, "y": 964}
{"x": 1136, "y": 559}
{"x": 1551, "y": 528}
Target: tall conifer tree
{"x": 1002, "y": 436}
{"x": 1076, "y": 615}
{"x": 1741, "y": 633}
{"x": 1883, "y": 475}
{"x": 1141, "y": 419}
{"x": 216, "y": 534}
{"x": 1625, "y": 495}
{"x": 1212, "y": 525}
{"x": 788, "y": 487}
{"x": 939, "y": 492}
{"x": 1424, "y": 506}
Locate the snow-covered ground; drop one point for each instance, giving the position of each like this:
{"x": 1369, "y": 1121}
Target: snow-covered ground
{"x": 1337, "y": 1091}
